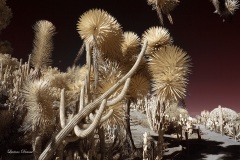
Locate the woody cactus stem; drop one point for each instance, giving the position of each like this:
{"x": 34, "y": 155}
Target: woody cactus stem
{"x": 37, "y": 146}
{"x": 52, "y": 146}
{"x": 95, "y": 68}
{"x": 88, "y": 61}
{"x": 81, "y": 99}
{"x": 62, "y": 109}
{"x": 221, "y": 119}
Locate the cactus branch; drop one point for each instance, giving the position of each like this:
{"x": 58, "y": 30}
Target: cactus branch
{"x": 51, "y": 148}
{"x": 62, "y": 109}
{"x": 121, "y": 95}
{"x": 88, "y": 62}
{"x": 81, "y": 99}
{"x": 105, "y": 117}
{"x": 83, "y": 133}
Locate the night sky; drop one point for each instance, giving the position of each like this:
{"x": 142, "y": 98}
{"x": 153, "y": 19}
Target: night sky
{"x": 214, "y": 46}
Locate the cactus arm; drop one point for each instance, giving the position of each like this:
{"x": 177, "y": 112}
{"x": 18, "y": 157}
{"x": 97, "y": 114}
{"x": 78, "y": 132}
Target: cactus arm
{"x": 105, "y": 117}
{"x": 51, "y": 148}
{"x": 92, "y": 127}
{"x": 28, "y": 64}
{"x": 88, "y": 62}
{"x": 62, "y": 109}
{"x": 91, "y": 117}
{"x": 81, "y": 103}
{"x": 121, "y": 95}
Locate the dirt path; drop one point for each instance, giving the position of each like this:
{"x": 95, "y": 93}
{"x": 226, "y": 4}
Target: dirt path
{"x": 212, "y": 146}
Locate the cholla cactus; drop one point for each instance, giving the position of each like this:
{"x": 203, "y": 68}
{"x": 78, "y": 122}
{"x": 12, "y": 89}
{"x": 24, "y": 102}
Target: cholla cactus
{"x": 219, "y": 117}
{"x": 227, "y": 114}
{"x": 204, "y": 116}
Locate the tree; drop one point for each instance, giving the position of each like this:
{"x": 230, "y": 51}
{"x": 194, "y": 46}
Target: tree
{"x": 5, "y": 15}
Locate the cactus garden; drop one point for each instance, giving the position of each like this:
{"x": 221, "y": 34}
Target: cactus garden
{"x": 123, "y": 96}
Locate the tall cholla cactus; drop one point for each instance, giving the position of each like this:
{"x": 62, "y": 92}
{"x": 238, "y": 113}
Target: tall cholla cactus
{"x": 164, "y": 7}
{"x": 170, "y": 67}
{"x": 43, "y": 44}
{"x": 225, "y": 8}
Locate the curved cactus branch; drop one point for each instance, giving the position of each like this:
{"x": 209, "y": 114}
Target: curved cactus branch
{"x": 52, "y": 146}
{"x": 84, "y": 133}
{"x": 62, "y": 109}
{"x": 121, "y": 95}
{"x": 70, "y": 139}
{"x": 105, "y": 117}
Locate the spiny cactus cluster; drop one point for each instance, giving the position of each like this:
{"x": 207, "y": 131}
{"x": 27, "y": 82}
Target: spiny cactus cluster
{"x": 223, "y": 120}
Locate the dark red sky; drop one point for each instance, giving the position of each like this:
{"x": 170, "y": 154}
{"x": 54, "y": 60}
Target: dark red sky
{"x": 213, "y": 45}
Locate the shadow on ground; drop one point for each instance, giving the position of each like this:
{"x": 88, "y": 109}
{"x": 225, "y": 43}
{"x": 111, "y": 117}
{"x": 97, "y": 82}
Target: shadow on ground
{"x": 202, "y": 149}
